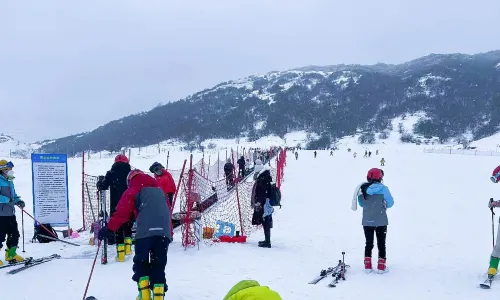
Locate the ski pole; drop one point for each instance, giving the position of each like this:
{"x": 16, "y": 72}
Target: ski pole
{"x": 22, "y": 228}
{"x": 92, "y": 270}
{"x": 50, "y": 231}
{"x": 492, "y": 222}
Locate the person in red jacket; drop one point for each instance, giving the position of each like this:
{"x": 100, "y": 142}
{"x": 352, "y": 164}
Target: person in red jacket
{"x": 165, "y": 180}
{"x": 145, "y": 199}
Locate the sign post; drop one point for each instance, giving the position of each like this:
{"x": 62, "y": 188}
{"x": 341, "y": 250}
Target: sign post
{"x": 50, "y": 189}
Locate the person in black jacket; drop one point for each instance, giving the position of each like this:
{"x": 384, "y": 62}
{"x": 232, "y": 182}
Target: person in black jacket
{"x": 262, "y": 209}
{"x": 116, "y": 181}
{"x": 241, "y": 166}
{"x": 229, "y": 172}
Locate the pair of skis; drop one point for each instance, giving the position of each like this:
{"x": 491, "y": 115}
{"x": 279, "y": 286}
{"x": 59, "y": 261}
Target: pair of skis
{"x": 103, "y": 222}
{"x": 337, "y": 272}
{"x": 28, "y": 263}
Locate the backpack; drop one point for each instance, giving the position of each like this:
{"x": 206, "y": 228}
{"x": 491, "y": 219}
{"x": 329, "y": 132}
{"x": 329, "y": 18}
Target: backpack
{"x": 47, "y": 232}
{"x": 275, "y": 197}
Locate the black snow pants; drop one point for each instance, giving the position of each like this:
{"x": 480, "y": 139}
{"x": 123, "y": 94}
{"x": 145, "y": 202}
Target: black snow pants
{"x": 8, "y": 229}
{"x": 151, "y": 259}
{"x": 381, "y": 232}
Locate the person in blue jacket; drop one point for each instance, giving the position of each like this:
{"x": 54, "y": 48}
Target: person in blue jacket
{"x": 375, "y": 199}
{"x": 8, "y": 223}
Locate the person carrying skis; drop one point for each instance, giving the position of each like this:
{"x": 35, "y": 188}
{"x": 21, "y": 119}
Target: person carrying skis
{"x": 495, "y": 254}
{"x": 375, "y": 198}
{"x": 116, "y": 181}
{"x": 241, "y": 166}
{"x": 148, "y": 203}
{"x": 165, "y": 181}
{"x": 8, "y": 222}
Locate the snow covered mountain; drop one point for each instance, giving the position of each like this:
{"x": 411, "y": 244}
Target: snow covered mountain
{"x": 12, "y": 148}
{"x": 456, "y": 96}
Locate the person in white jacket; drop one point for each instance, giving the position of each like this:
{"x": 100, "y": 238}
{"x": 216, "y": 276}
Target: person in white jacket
{"x": 257, "y": 168}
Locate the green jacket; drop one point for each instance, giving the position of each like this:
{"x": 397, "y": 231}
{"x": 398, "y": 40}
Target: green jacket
{"x": 251, "y": 290}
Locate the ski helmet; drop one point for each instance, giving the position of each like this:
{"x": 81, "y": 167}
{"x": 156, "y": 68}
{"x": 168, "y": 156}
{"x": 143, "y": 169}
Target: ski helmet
{"x": 375, "y": 174}
{"x": 495, "y": 176}
{"x": 132, "y": 174}
{"x": 121, "y": 158}
{"x": 155, "y": 167}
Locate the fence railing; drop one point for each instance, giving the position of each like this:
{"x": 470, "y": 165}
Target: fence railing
{"x": 461, "y": 151}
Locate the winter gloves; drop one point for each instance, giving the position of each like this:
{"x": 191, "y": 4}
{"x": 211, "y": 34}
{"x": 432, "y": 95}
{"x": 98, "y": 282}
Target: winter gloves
{"x": 104, "y": 233}
{"x": 21, "y": 203}
{"x": 101, "y": 185}
{"x": 492, "y": 204}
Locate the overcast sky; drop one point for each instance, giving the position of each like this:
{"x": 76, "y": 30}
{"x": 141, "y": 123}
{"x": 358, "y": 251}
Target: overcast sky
{"x": 70, "y": 66}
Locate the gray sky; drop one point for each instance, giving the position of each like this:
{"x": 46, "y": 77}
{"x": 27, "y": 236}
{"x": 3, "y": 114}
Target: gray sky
{"x": 71, "y": 66}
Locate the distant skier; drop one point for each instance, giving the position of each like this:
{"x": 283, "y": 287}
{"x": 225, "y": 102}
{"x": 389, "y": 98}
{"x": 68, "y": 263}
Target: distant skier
{"x": 331, "y": 152}
{"x": 348, "y": 149}
{"x": 116, "y": 181}
{"x": 315, "y": 153}
{"x": 241, "y": 166}
{"x": 366, "y": 153}
{"x": 148, "y": 203}
{"x": 382, "y": 162}
{"x": 8, "y": 223}
{"x": 229, "y": 173}
{"x": 369, "y": 154}
{"x": 354, "y": 154}
{"x": 376, "y": 152}
{"x": 296, "y": 155}
{"x": 375, "y": 198}
{"x": 165, "y": 181}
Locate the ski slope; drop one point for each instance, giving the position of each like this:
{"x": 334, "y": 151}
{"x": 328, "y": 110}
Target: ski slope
{"x": 438, "y": 243}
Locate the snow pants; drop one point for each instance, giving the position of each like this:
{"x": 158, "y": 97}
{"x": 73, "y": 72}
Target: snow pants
{"x": 123, "y": 232}
{"x": 381, "y": 232}
{"x": 8, "y": 229}
{"x": 496, "y": 249}
{"x": 151, "y": 259}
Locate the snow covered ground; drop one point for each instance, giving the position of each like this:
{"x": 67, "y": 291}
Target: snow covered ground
{"x": 438, "y": 245}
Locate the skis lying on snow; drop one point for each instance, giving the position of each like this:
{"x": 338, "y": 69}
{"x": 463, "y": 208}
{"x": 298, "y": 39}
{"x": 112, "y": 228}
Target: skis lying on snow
{"x": 337, "y": 272}
{"x": 28, "y": 263}
{"x": 16, "y": 263}
{"x": 487, "y": 283}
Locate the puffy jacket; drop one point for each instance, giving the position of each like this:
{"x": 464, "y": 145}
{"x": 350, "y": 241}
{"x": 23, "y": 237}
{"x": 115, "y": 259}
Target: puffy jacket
{"x": 251, "y": 290}
{"x": 241, "y": 162}
{"x": 8, "y": 197}
{"x": 228, "y": 168}
{"x": 145, "y": 199}
{"x": 375, "y": 198}
{"x": 166, "y": 182}
{"x": 116, "y": 181}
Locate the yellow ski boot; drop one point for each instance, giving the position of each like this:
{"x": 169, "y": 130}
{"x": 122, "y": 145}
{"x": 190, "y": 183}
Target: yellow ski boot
{"x": 159, "y": 292}
{"x": 120, "y": 253}
{"x": 128, "y": 246}
{"x": 12, "y": 256}
{"x": 492, "y": 270}
{"x": 1, "y": 263}
{"x": 144, "y": 291}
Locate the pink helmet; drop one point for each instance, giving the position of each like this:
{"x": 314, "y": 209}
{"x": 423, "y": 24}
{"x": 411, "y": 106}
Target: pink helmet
{"x": 121, "y": 158}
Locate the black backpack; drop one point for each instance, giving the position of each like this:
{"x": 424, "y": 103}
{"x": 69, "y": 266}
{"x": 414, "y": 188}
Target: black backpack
{"x": 47, "y": 231}
{"x": 275, "y": 197}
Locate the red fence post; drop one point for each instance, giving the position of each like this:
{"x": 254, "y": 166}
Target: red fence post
{"x": 83, "y": 190}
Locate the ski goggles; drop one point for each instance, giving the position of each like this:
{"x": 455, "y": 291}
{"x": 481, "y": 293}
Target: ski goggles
{"x": 495, "y": 177}
{"x": 9, "y": 165}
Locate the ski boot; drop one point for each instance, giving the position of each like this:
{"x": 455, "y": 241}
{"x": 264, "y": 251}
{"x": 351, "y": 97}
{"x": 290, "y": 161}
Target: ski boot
{"x": 120, "y": 253}
{"x": 128, "y": 246}
{"x": 265, "y": 244}
{"x": 381, "y": 267}
{"x": 368, "y": 265}
{"x": 1, "y": 263}
{"x": 158, "y": 291}
{"x": 144, "y": 291}
{"x": 492, "y": 270}
{"x": 12, "y": 256}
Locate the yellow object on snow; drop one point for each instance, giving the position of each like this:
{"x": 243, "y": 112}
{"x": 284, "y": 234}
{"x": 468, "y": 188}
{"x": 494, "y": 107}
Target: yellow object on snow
{"x": 251, "y": 290}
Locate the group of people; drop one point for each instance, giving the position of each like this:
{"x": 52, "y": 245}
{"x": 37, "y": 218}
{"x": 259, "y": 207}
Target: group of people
{"x": 147, "y": 201}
